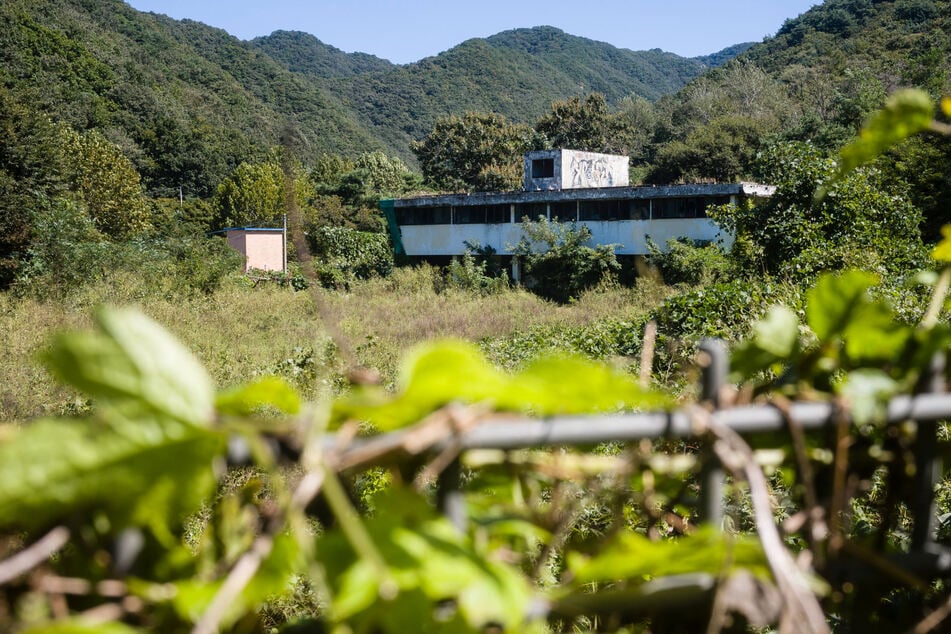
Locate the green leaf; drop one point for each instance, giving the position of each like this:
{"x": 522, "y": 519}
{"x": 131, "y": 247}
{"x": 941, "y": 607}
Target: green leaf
{"x": 835, "y": 299}
{"x": 875, "y": 334}
{"x": 867, "y": 392}
{"x": 271, "y": 391}
{"x": 432, "y": 564}
{"x": 133, "y": 363}
{"x": 774, "y": 339}
{"x": 839, "y": 306}
{"x": 634, "y": 557}
{"x": 906, "y": 113}
{"x": 942, "y": 251}
{"x": 151, "y": 472}
{"x": 455, "y": 371}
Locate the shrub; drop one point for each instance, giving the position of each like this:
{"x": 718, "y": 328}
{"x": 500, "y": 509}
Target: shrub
{"x": 722, "y": 310}
{"x": 687, "y": 263}
{"x": 863, "y": 221}
{"x": 466, "y": 273}
{"x": 68, "y": 253}
{"x": 559, "y": 264}
{"x": 344, "y": 255}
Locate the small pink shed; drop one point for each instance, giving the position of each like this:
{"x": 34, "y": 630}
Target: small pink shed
{"x": 262, "y": 248}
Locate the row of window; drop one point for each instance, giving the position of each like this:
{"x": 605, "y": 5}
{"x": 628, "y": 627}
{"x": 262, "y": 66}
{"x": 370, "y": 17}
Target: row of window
{"x": 590, "y": 210}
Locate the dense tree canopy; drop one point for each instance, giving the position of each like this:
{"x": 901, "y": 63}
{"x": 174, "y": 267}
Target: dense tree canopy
{"x": 107, "y": 183}
{"x": 865, "y": 220}
{"x": 578, "y": 124}
{"x": 253, "y": 193}
{"x": 476, "y": 151}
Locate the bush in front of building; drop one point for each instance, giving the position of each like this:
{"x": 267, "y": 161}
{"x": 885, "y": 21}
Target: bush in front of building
{"x": 343, "y": 255}
{"x": 559, "y": 262}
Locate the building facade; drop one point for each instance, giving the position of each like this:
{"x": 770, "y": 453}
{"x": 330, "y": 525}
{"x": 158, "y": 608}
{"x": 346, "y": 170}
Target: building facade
{"x": 584, "y": 187}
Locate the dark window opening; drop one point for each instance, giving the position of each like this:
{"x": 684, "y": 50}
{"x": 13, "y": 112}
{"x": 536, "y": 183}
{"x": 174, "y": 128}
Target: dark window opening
{"x": 424, "y": 216}
{"x": 565, "y": 212}
{"x": 531, "y": 210}
{"x": 543, "y": 168}
{"x": 599, "y": 209}
{"x": 639, "y": 209}
{"x": 481, "y": 214}
{"x": 497, "y": 213}
{"x": 694, "y": 207}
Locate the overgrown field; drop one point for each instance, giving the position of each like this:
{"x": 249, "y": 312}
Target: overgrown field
{"x": 313, "y": 337}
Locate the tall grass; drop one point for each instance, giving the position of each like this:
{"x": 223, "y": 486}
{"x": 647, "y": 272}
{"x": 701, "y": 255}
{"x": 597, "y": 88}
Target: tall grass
{"x": 241, "y": 331}
{"x": 382, "y": 318}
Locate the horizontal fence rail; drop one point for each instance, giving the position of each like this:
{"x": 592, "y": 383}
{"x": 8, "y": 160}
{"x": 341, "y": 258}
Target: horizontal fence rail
{"x": 519, "y": 432}
{"x": 508, "y": 432}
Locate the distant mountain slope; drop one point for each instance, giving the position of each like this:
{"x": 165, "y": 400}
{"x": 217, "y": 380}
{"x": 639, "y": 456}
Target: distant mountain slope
{"x": 599, "y": 66}
{"x": 897, "y": 41}
{"x": 516, "y": 73}
{"x": 188, "y": 102}
{"x": 304, "y": 53}
{"x": 722, "y": 57}
{"x": 184, "y": 100}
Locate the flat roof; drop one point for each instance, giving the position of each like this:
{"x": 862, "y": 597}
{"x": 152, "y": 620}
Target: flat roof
{"x": 599, "y": 193}
{"x": 225, "y": 230}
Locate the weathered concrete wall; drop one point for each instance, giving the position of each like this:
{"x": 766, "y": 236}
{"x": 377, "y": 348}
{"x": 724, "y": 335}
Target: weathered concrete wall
{"x": 574, "y": 169}
{"x": 630, "y": 235}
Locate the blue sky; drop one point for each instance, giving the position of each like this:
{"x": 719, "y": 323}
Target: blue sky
{"x": 408, "y": 31}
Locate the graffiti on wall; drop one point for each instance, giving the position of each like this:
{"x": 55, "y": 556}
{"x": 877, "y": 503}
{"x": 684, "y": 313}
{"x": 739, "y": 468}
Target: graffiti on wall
{"x": 590, "y": 172}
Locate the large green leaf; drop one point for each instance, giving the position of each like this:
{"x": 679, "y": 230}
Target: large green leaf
{"x": 840, "y": 306}
{"x": 633, "y": 557}
{"x": 835, "y": 299}
{"x": 148, "y": 472}
{"x": 442, "y": 583}
{"x": 133, "y": 363}
{"x": 942, "y": 250}
{"x": 270, "y": 391}
{"x": 455, "y": 371}
{"x": 82, "y": 626}
{"x": 774, "y": 339}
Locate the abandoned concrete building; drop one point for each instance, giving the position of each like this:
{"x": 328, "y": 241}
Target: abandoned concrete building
{"x": 589, "y": 188}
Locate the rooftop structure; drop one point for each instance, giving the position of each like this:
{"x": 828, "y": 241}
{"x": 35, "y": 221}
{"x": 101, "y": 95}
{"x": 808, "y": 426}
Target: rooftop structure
{"x": 557, "y": 170}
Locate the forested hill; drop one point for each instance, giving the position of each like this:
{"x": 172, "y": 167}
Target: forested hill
{"x": 816, "y": 81}
{"x": 304, "y": 53}
{"x": 187, "y": 102}
{"x": 517, "y": 73}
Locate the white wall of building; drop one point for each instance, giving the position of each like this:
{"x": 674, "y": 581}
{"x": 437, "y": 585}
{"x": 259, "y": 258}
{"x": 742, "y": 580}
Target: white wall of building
{"x": 630, "y": 235}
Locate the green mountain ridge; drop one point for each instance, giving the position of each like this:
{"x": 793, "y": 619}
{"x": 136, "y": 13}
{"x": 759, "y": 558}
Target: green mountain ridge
{"x": 303, "y": 53}
{"x": 187, "y": 102}
{"x": 516, "y": 73}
